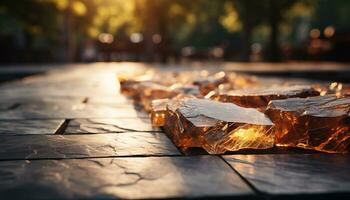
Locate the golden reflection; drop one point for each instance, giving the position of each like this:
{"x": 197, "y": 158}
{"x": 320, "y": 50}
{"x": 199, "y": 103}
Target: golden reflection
{"x": 250, "y": 137}
{"x": 254, "y": 133}
{"x": 247, "y": 168}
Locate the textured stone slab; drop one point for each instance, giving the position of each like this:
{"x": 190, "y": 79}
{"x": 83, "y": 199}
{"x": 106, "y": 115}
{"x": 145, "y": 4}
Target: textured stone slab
{"x": 23, "y": 127}
{"x": 105, "y": 178}
{"x": 81, "y": 146}
{"x": 109, "y": 125}
{"x": 10, "y": 99}
{"x": 295, "y": 174}
{"x": 64, "y": 110}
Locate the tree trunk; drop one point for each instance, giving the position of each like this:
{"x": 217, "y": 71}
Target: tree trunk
{"x": 247, "y": 29}
{"x": 247, "y": 40}
{"x": 274, "y": 54}
{"x": 151, "y": 28}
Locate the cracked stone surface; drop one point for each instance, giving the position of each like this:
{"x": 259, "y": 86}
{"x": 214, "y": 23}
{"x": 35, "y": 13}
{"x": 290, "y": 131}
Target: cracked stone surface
{"x": 109, "y": 125}
{"x": 23, "y": 127}
{"x": 107, "y": 178}
{"x": 82, "y": 146}
{"x": 295, "y": 174}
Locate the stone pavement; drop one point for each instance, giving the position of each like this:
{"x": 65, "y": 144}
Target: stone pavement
{"x": 69, "y": 134}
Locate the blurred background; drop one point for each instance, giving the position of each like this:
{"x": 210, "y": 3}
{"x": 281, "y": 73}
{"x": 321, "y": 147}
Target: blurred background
{"x": 42, "y": 31}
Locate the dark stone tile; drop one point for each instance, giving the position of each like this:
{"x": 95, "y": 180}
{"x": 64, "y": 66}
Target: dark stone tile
{"x": 66, "y": 110}
{"x": 79, "y": 146}
{"x": 111, "y": 178}
{"x": 23, "y": 127}
{"x": 110, "y": 125}
{"x": 295, "y": 174}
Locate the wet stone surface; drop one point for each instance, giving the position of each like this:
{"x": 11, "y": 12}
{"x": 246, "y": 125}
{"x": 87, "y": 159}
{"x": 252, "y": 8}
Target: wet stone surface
{"x": 83, "y": 146}
{"x": 120, "y": 178}
{"x": 304, "y": 174}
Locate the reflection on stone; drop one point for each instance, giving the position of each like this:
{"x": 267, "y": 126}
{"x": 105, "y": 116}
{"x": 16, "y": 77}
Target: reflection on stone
{"x": 296, "y": 174}
{"x": 319, "y": 123}
{"x": 217, "y": 127}
{"x": 120, "y": 178}
{"x": 82, "y": 146}
{"x": 260, "y": 97}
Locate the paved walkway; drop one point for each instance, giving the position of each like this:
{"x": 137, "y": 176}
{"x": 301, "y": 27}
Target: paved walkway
{"x": 69, "y": 134}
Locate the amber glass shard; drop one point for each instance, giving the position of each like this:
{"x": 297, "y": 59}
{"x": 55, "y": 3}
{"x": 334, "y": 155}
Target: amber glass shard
{"x": 260, "y": 97}
{"x": 172, "y": 125}
{"x": 151, "y": 79}
{"x": 129, "y": 87}
{"x": 217, "y": 127}
{"x": 335, "y": 88}
{"x": 318, "y": 123}
{"x": 210, "y": 83}
{"x": 237, "y": 137}
{"x": 158, "y": 112}
{"x": 151, "y": 91}
{"x": 186, "y": 89}
{"x": 159, "y": 108}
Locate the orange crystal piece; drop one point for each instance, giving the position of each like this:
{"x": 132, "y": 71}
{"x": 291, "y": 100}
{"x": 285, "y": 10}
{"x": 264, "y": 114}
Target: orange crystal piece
{"x": 159, "y": 108}
{"x": 210, "y": 83}
{"x": 217, "y": 127}
{"x": 260, "y": 97}
{"x": 158, "y": 112}
{"x": 319, "y": 123}
{"x": 149, "y": 91}
{"x": 335, "y": 88}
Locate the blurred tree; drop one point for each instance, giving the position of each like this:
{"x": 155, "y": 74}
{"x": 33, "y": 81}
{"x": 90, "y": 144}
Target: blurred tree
{"x": 26, "y": 33}
{"x": 54, "y": 30}
{"x": 275, "y": 17}
{"x": 251, "y": 14}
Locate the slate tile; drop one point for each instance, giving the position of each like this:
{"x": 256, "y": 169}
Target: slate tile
{"x": 109, "y": 125}
{"x": 295, "y": 174}
{"x": 71, "y": 111}
{"x": 6, "y": 105}
{"x": 23, "y": 127}
{"x": 81, "y": 146}
{"x": 127, "y": 178}
{"x": 41, "y": 100}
